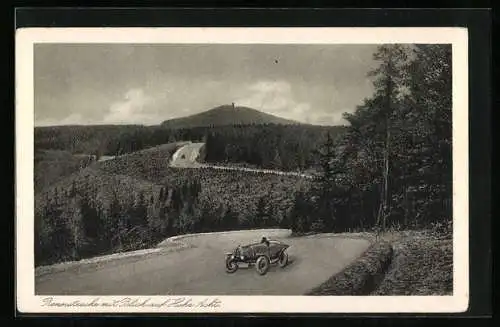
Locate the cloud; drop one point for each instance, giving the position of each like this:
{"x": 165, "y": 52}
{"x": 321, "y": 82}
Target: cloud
{"x": 330, "y": 118}
{"x": 135, "y": 108}
{"x": 275, "y": 97}
{"x": 271, "y": 86}
{"x": 278, "y": 98}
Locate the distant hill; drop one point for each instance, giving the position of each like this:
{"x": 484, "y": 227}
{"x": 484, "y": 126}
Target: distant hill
{"x": 226, "y": 115}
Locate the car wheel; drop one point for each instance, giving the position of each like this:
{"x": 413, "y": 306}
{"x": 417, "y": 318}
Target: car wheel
{"x": 283, "y": 260}
{"x": 262, "y": 265}
{"x": 231, "y": 265}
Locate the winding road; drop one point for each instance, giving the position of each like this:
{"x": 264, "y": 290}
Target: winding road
{"x": 187, "y": 157}
{"x": 197, "y": 268}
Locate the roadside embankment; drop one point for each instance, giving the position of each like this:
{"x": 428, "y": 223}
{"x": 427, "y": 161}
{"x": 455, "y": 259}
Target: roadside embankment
{"x": 362, "y": 276}
{"x": 422, "y": 265}
{"x": 397, "y": 263}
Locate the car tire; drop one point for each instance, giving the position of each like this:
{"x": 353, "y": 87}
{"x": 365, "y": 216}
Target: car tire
{"x": 231, "y": 265}
{"x": 283, "y": 259}
{"x": 262, "y": 265}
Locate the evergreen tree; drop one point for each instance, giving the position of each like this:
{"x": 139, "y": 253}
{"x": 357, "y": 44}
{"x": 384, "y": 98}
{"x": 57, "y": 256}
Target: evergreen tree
{"x": 92, "y": 225}
{"x": 139, "y": 211}
{"x": 388, "y": 83}
{"x": 326, "y": 192}
{"x": 299, "y": 216}
{"x": 117, "y": 223}
{"x": 262, "y": 215}
{"x": 162, "y": 195}
{"x": 229, "y": 220}
{"x": 44, "y": 251}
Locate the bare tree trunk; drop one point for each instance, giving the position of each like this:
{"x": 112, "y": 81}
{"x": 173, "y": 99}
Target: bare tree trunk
{"x": 406, "y": 207}
{"x": 386, "y": 177}
{"x": 380, "y": 209}
{"x": 76, "y": 239}
{"x": 383, "y": 206}
{"x": 386, "y": 195}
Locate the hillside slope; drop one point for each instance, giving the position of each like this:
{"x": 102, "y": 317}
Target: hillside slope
{"x": 124, "y": 176}
{"x": 54, "y": 165}
{"x": 227, "y": 115}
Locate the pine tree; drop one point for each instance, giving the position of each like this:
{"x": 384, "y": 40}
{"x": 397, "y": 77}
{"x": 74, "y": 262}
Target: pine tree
{"x": 162, "y": 195}
{"x": 116, "y": 222}
{"x": 277, "y": 162}
{"x": 73, "y": 191}
{"x": 298, "y": 214}
{"x": 139, "y": 211}
{"x": 285, "y": 222}
{"x": 229, "y": 219}
{"x": 389, "y": 77}
{"x": 43, "y": 236}
{"x": 262, "y": 216}
{"x": 325, "y": 189}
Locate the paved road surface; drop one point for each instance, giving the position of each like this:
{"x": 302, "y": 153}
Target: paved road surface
{"x": 200, "y": 270}
{"x": 187, "y": 157}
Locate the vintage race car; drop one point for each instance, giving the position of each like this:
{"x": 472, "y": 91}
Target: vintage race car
{"x": 262, "y": 255}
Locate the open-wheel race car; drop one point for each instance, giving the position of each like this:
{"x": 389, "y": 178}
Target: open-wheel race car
{"x": 262, "y": 255}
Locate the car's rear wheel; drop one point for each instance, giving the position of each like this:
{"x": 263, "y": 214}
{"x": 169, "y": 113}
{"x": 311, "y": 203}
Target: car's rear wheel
{"x": 231, "y": 265}
{"x": 283, "y": 259}
{"x": 262, "y": 265}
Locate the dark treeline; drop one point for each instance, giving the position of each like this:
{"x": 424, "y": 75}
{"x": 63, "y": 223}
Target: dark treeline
{"x": 280, "y": 147}
{"x": 393, "y": 166}
{"x": 110, "y": 140}
{"x": 283, "y": 147}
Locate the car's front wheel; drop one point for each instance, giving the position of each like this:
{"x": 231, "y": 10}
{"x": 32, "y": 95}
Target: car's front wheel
{"x": 231, "y": 265}
{"x": 262, "y": 265}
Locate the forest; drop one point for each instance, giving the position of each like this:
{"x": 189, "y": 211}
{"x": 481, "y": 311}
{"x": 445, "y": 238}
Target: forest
{"x": 98, "y": 214}
{"x": 276, "y": 146}
{"x": 279, "y": 147}
{"x": 391, "y": 167}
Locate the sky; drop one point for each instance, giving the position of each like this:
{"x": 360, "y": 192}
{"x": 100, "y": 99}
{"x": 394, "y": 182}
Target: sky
{"x": 147, "y": 84}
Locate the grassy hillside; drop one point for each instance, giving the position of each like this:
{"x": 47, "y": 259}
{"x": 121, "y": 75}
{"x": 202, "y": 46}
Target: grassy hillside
{"x": 148, "y": 164}
{"x": 226, "y": 115}
{"x": 422, "y": 265}
{"x": 125, "y": 175}
{"x": 53, "y": 165}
